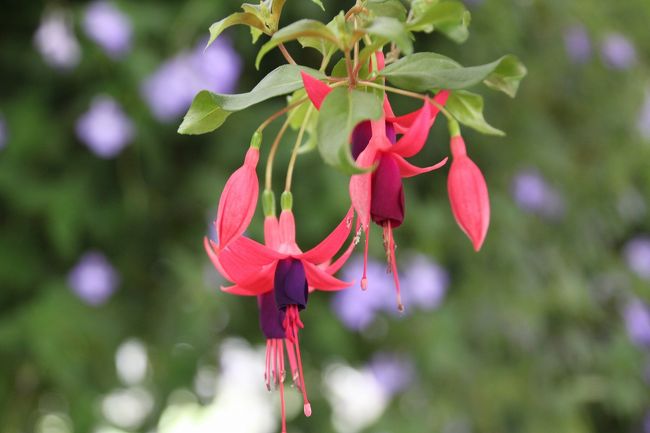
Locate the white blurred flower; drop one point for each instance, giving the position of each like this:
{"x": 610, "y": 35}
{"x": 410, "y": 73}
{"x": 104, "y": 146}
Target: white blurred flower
{"x": 241, "y": 404}
{"x": 127, "y": 408}
{"x": 356, "y": 397}
{"x": 56, "y": 42}
{"x": 131, "y": 362}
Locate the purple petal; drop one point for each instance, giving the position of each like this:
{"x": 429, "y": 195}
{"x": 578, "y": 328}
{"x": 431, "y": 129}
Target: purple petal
{"x": 290, "y": 284}
{"x": 270, "y": 316}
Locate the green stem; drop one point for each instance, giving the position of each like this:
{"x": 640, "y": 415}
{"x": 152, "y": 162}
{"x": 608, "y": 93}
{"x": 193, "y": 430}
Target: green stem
{"x": 409, "y": 94}
{"x": 296, "y": 147}
{"x": 279, "y": 113}
{"x": 272, "y": 152}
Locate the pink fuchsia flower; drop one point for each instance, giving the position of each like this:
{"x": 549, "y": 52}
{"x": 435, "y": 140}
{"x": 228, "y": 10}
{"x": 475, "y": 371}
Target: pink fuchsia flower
{"x": 238, "y": 200}
{"x": 379, "y": 195}
{"x": 468, "y": 194}
{"x": 281, "y": 276}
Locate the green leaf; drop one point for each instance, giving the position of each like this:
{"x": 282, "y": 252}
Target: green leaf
{"x": 341, "y": 111}
{"x": 450, "y": 18}
{"x": 467, "y": 108}
{"x": 507, "y": 76}
{"x": 423, "y": 72}
{"x": 245, "y": 18}
{"x": 319, "y": 3}
{"x": 392, "y": 30}
{"x": 302, "y": 28}
{"x": 210, "y": 110}
{"x": 387, "y": 8}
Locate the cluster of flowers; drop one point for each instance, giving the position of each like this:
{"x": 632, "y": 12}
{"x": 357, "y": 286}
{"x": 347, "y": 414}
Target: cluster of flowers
{"x": 282, "y": 276}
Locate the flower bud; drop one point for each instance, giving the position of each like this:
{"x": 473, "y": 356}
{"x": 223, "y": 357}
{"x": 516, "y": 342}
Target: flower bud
{"x": 468, "y": 194}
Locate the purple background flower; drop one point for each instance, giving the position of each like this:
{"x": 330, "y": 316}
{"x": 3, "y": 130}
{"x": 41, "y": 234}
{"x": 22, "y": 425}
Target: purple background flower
{"x": 423, "y": 282}
{"x": 618, "y": 52}
{"x": 3, "y": 132}
{"x": 533, "y": 194}
{"x": 93, "y": 278}
{"x": 104, "y": 128}
{"x": 56, "y": 41}
{"x": 169, "y": 91}
{"x": 393, "y": 372}
{"x": 109, "y": 27}
{"x": 637, "y": 322}
{"x": 577, "y": 43}
{"x": 637, "y": 255}
{"x": 644, "y": 117}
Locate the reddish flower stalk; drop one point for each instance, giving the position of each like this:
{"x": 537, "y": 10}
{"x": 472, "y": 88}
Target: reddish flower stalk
{"x": 468, "y": 194}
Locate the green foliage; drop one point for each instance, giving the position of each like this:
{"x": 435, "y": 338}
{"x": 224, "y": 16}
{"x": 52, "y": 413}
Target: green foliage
{"x": 467, "y": 108}
{"x": 210, "y": 110}
{"x": 423, "y": 72}
{"x": 341, "y": 111}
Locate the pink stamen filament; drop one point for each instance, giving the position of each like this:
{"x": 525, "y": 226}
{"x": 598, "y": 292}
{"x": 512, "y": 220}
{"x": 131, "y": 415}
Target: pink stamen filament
{"x": 390, "y": 255}
{"x": 282, "y": 405}
{"x": 364, "y": 278}
{"x": 292, "y": 324}
{"x": 295, "y": 374}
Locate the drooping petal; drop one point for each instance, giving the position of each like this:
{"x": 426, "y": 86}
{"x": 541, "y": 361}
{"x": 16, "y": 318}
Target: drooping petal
{"x": 321, "y": 280}
{"x": 210, "y": 247}
{"x": 468, "y": 194}
{"x": 416, "y": 136}
{"x": 254, "y": 252}
{"x": 407, "y": 169}
{"x": 238, "y": 290}
{"x": 360, "y": 186}
{"x": 343, "y": 258}
{"x": 270, "y": 316}
{"x": 403, "y": 123}
{"x": 316, "y": 89}
{"x": 238, "y": 200}
{"x": 326, "y": 250}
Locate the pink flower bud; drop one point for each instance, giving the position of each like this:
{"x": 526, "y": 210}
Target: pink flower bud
{"x": 238, "y": 200}
{"x": 468, "y": 194}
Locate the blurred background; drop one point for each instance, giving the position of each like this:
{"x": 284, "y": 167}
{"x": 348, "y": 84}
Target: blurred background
{"x": 111, "y": 320}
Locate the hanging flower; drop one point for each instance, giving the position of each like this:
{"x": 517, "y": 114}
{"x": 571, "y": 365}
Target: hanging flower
{"x": 281, "y": 276}
{"x": 468, "y": 194}
{"x": 379, "y": 195}
{"x": 239, "y": 197}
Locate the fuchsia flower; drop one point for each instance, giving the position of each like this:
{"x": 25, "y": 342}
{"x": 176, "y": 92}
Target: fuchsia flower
{"x": 281, "y": 276}
{"x": 238, "y": 200}
{"x": 468, "y": 194}
{"x": 379, "y": 195}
